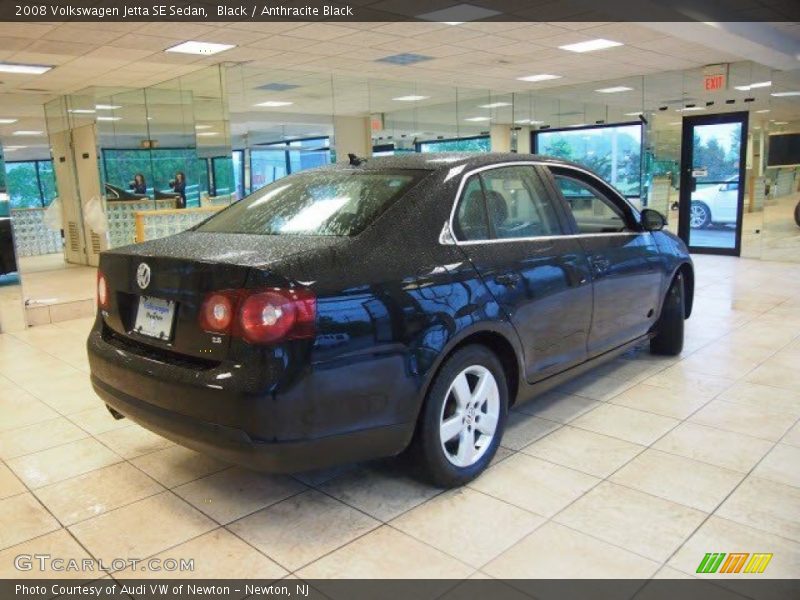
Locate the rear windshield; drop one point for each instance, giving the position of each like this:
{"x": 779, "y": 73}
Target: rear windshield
{"x": 336, "y": 203}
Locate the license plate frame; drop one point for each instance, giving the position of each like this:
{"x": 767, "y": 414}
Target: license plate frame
{"x": 155, "y": 318}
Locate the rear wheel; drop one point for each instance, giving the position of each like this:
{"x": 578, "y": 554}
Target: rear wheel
{"x": 699, "y": 215}
{"x": 463, "y": 417}
{"x": 669, "y": 328}
{"x": 797, "y": 214}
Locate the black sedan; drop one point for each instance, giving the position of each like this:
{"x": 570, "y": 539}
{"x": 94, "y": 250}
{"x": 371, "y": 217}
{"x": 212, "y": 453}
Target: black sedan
{"x": 356, "y": 311}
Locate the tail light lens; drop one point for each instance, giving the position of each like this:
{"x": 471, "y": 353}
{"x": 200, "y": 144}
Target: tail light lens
{"x": 261, "y": 317}
{"x": 102, "y": 290}
{"x": 217, "y": 312}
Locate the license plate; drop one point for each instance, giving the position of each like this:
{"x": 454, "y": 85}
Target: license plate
{"x": 154, "y": 317}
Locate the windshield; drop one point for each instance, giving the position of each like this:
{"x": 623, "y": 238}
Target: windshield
{"x": 336, "y": 203}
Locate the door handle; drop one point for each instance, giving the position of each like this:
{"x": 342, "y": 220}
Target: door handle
{"x": 507, "y": 279}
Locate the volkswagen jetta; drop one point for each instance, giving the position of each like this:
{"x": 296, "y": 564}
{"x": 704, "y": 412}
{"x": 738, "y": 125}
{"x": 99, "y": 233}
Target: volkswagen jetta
{"x": 356, "y": 311}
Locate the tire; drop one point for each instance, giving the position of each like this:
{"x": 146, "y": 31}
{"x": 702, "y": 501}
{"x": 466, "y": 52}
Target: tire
{"x": 797, "y": 214}
{"x": 474, "y": 433}
{"x": 700, "y": 215}
{"x": 669, "y": 328}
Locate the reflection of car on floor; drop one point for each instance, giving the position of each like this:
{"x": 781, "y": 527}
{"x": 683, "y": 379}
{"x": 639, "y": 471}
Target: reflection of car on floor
{"x": 353, "y": 311}
{"x": 715, "y": 205}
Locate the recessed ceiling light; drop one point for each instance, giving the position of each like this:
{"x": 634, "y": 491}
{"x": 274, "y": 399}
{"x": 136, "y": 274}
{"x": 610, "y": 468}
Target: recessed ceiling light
{"x": 7, "y": 121}
{"x": 274, "y": 103}
{"x": 495, "y": 105}
{"x": 781, "y": 122}
{"x": 528, "y": 122}
{"x": 404, "y": 58}
{"x": 106, "y": 106}
{"x": 202, "y": 126}
{"x": 82, "y": 111}
{"x": 591, "y": 45}
{"x": 109, "y": 118}
{"x": 614, "y": 90}
{"x": 411, "y": 98}
{"x": 538, "y": 77}
{"x": 478, "y": 119}
{"x": 634, "y": 114}
{"x": 462, "y": 12}
{"x": 202, "y": 48}
{"x": 762, "y": 111}
{"x": 27, "y": 132}
{"x": 207, "y": 133}
{"x": 690, "y": 108}
{"x": 22, "y": 69}
{"x": 784, "y": 94}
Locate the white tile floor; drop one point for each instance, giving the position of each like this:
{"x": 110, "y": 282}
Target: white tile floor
{"x": 639, "y": 468}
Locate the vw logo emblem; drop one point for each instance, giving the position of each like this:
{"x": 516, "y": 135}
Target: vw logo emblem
{"x": 143, "y": 275}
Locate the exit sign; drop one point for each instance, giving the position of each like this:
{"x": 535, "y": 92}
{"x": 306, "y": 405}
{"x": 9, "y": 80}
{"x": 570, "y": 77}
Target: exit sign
{"x": 715, "y": 78}
{"x": 714, "y": 82}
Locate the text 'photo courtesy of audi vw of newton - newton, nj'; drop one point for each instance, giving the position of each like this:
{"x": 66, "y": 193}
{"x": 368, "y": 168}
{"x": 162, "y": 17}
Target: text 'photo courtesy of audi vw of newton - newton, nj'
{"x": 390, "y": 305}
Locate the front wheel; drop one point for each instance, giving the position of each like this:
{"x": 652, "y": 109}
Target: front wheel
{"x": 699, "y": 215}
{"x": 669, "y": 328}
{"x": 463, "y": 417}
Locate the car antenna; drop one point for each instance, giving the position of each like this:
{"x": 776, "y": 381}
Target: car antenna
{"x": 356, "y": 161}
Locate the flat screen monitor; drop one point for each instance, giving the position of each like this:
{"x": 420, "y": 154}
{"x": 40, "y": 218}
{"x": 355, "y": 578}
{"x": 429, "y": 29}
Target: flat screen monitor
{"x": 784, "y": 150}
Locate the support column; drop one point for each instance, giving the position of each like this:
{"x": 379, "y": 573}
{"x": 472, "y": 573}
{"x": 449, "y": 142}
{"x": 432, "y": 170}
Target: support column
{"x": 500, "y": 138}
{"x": 524, "y": 145}
{"x": 352, "y": 135}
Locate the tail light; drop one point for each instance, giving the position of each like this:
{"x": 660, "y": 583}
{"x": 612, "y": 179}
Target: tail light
{"x": 102, "y": 290}
{"x": 261, "y": 317}
{"x": 217, "y": 312}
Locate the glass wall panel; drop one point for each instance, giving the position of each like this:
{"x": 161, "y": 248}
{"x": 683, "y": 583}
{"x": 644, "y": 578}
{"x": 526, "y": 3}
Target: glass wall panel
{"x": 613, "y": 152}
{"x": 470, "y": 144}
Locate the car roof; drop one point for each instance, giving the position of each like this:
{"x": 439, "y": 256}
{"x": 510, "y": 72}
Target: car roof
{"x": 448, "y": 160}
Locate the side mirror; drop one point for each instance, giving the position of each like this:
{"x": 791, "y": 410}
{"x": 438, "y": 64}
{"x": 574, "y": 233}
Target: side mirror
{"x": 652, "y": 220}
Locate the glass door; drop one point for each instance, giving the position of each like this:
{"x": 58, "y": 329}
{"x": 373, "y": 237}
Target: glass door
{"x": 713, "y": 182}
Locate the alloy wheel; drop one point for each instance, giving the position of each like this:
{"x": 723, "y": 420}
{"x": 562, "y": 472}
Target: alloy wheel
{"x": 697, "y": 216}
{"x": 469, "y": 417}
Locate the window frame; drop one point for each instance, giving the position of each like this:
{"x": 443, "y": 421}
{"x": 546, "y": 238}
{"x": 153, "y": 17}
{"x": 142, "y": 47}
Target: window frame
{"x": 546, "y": 189}
{"x": 535, "y": 144}
{"x": 36, "y": 167}
{"x": 287, "y": 149}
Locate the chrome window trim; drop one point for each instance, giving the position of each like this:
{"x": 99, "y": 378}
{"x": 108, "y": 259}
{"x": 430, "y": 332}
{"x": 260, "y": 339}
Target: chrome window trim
{"x": 448, "y": 236}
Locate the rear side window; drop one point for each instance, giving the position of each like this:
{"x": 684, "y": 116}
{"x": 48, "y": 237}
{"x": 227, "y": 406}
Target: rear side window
{"x": 505, "y": 203}
{"x": 330, "y": 203}
{"x": 471, "y": 223}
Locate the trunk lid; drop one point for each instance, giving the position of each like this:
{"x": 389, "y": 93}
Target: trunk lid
{"x": 182, "y": 270}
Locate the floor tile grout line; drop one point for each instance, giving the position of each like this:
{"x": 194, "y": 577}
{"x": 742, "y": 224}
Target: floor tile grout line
{"x": 733, "y": 490}
{"x": 57, "y": 520}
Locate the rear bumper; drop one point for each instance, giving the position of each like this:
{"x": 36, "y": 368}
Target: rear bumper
{"x": 229, "y": 411}
{"x": 236, "y": 446}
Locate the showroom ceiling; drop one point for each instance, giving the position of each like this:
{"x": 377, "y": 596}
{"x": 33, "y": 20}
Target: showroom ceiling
{"x": 484, "y": 60}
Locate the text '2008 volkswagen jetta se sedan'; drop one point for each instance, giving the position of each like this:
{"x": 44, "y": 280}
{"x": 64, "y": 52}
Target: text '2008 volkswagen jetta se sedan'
{"x": 359, "y": 310}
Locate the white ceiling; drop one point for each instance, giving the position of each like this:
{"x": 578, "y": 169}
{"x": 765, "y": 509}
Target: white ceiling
{"x": 481, "y": 59}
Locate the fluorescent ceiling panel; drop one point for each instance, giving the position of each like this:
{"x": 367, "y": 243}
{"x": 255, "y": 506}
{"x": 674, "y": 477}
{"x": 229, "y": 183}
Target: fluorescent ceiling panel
{"x": 201, "y": 48}
{"x": 590, "y": 45}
